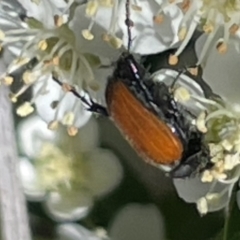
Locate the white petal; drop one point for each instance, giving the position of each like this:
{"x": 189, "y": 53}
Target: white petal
{"x": 138, "y": 222}
{"x": 69, "y": 205}
{"x": 87, "y": 138}
{"x": 148, "y": 37}
{"x": 102, "y": 75}
{"x": 191, "y": 190}
{"x": 43, "y": 10}
{"x": 74, "y": 232}
{"x": 222, "y": 71}
{"x": 168, "y": 76}
{"x": 96, "y": 46}
{"x": 31, "y": 185}
{"x": 55, "y": 93}
{"x": 105, "y": 172}
{"x": 31, "y": 133}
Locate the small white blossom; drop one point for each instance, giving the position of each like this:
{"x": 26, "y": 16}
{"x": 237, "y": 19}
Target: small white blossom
{"x": 135, "y": 221}
{"x": 65, "y": 173}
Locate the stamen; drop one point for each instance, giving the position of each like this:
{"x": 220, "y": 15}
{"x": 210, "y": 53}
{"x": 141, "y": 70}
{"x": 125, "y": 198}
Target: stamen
{"x": 25, "y": 109}
{"x": 92, "y": 7}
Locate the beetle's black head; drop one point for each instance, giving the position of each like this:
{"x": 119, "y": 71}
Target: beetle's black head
{"x": 127, "y": 68}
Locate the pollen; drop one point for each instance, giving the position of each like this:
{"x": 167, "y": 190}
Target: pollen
{"x": 92, "y": 7}
{"x": 173, "y": 60}
{"x": 182, "y": 94}
{"x": 53, "y": 125}
{"x": 222, "y": 47}
{"x": 158, "y": 19}
{"x": 182, "y": 33}
{"x": 25, "y": 109}
{"x": 42, "y": 45}
{"x": 8, "y": 80}
{"x": 72, "y": 131}
{"x": 87, "y": 34}
{"x": 68, "y": 119}
{"x": 201, "y": 122}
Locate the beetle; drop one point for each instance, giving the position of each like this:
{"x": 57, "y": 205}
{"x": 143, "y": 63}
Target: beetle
{"x": 146, "y": 113}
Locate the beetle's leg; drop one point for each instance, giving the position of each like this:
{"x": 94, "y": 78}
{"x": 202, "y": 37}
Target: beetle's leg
{"x": 92, "y": 106}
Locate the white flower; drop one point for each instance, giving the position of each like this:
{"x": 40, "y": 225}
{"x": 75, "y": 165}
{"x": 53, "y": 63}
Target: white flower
{"x": 154, "y": 29}
{"x": 71, "y": 231}
{"x": 66, "y": 173}
{"x": 51, "y": 48}
{"x": 219, "y": 20}
{"x": 212, "y": 188}
{"x": 135, "y": 221}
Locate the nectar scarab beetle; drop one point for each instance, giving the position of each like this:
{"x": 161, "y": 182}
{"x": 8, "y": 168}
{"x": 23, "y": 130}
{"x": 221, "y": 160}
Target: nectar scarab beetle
{"x": 154, "y": 123}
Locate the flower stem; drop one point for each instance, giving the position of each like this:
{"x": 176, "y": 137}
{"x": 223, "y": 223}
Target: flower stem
{"x": 14, "y": 219}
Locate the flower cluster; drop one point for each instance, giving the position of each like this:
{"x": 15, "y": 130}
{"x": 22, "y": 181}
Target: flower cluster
{"x": 63, "y": 172}
{"x": 76, "y": 44}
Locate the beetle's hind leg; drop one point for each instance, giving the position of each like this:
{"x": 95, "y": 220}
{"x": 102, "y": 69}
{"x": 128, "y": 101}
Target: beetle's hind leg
{"x": 91, "y": 105}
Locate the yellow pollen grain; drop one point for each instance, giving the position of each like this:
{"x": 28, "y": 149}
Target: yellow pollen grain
{"x": 21, "y": 61}
{"x": 158, "y": 19}
{"x": 8, "y": 80}
{"x": 58, "y": 20}
{"x": 53, "y": 125}
{"x": 115, "y": 42}
{"x": 202, "y": 205}
{"x": 42, "y": 45}
{"x": 66, "y": 87}
{"x": 200, "y": 122}
{"x": 72, "y": 131}
{"x": 227, "y": 145}
{"x": 193, "y": 71}
{"x": 48, "y": 63}
{"x": 136, "y": 8}
{"x": 182, "y": 33}
{"x": 173, "y": 60}
{"x": 13, "y": 97}
{"x": 87, "y": 34}
{"x": 92, "y": 7}
{"x": 233, "y": 29}
{"x": 28, "y": 77}
{"x": 106, "y": 37}
{"x": 208, "y": 28}
{"x": 207, "y": 176}
{"x": 222, "y": 47}
{"x": 2, "y": 35}
{"x": 25, "y": 109}
{"x": 106, "y": 3}
{"x": 182, "y": 94}
{"x": 68, "y": 119}
{"x": 56, "y": 60}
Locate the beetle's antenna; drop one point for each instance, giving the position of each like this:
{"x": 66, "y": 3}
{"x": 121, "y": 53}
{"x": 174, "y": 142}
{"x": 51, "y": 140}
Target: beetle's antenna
{"x": 182, "y": 71}
{"x": 129, "y": 24}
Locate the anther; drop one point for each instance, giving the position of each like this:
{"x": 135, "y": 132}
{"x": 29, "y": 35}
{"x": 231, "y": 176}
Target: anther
{"x": 158, "y": 19}
{"x": 173, "y": 60}
{"x": 222, "y": 47}
{"x": 53, "y": 125}
{"x": 42, "y": 45}
{"x": 72, "y": 131}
